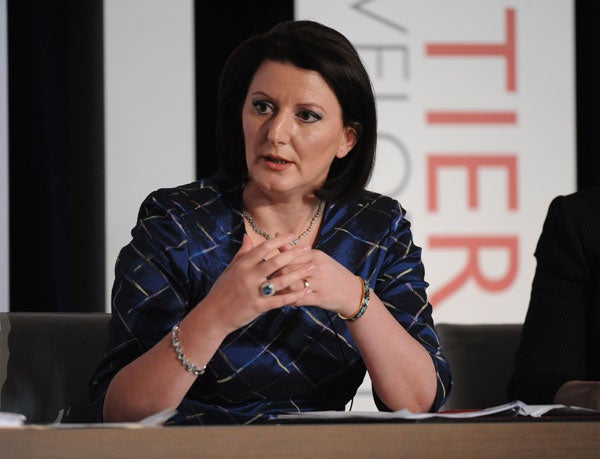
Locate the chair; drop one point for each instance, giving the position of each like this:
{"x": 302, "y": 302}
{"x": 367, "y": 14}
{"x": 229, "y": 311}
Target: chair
{"x": 481, "y": 357}
{"x": 46, "y": 361}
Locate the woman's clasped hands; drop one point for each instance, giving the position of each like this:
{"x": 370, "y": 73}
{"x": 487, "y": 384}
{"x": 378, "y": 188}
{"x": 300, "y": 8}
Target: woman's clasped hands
{"x": 273, "y": 274}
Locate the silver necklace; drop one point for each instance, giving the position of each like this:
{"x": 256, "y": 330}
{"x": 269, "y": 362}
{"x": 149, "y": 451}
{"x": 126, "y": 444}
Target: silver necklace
{"x": 258, "y": 230}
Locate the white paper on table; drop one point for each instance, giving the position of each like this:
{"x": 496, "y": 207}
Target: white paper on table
{"x": 11, "y": 419}
{"x": 155, "y": 420}
{"x": 516, "y": 408}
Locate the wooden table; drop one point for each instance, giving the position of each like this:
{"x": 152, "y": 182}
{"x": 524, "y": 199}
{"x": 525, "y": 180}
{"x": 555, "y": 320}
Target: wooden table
{"x": 535, "y": 439}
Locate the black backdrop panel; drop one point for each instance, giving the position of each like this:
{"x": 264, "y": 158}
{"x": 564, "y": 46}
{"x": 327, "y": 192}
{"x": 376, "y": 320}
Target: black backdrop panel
{"x": 56, "y": 155}
{"x": 587, "y": 55}
{"x": 219, "y": 28}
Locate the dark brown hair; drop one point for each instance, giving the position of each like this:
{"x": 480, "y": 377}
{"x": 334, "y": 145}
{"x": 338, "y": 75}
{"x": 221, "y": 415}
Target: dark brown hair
{"x": 312, "y": 46}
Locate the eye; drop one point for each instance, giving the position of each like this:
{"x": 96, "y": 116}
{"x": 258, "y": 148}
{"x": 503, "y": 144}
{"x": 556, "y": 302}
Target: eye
{"x": 308, "y": 117}
{"x": 262, "y": 107}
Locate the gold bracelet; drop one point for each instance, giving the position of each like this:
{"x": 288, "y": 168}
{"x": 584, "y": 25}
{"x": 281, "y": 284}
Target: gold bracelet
{"x": 364, "y": 303}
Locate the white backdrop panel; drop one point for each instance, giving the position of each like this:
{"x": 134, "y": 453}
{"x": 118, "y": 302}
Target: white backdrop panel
{"x": 476, "y": 105}
{"x": 149, "y": 111}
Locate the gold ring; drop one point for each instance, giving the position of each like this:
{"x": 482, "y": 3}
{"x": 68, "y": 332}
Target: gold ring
{"x": 306, "y": 283}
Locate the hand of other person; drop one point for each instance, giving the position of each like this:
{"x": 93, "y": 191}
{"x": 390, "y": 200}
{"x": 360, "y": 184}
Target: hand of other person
{"x": 585, "y": 394}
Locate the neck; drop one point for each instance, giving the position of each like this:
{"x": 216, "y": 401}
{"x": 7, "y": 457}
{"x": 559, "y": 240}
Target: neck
{"x": 268, "y": 220}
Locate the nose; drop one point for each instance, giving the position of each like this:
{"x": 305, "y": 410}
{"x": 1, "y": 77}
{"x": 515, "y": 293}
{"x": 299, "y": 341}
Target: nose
{"x": 279, "y": 129}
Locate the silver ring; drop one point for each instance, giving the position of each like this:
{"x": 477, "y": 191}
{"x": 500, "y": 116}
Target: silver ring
{"x": 306, "y": 283}
{"x": 267, "y": 289}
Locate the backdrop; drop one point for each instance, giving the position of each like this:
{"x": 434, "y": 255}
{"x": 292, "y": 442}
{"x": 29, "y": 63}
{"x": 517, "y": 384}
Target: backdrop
{"x": 476, "y": 107}
{"x": 4, "y": 292}
{"x": 476, "y": 103}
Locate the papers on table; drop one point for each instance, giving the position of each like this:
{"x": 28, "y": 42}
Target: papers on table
{"x": 156, "y": 420}
{"x": 11, "y": 419}
{"x": 511, "y": 409}
{"x": 516, "y": 408}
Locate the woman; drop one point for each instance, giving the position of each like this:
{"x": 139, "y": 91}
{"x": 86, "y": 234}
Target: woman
{"x": 271, "y": 287}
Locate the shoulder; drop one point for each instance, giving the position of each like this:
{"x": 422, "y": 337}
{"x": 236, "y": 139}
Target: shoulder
{"x": 208, "y": 194}
{"x": 371, "y": 201}
{"x": 573, "y": 221}
{"x": 374, "y": 202}
{"x": 584, "y": 196}
{"x": 581, "y": 207}
{"x": 371, "y": 209}
{"x": 201, "y": 211}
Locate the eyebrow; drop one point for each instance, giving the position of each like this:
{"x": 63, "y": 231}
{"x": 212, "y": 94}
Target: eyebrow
{"x": 302, "y": 104}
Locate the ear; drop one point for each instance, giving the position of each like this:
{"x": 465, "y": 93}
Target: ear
{"x": 348, "y": 141}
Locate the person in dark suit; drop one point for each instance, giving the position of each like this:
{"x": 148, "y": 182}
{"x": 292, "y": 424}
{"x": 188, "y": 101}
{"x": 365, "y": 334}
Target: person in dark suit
{"x": 558, "y": 360}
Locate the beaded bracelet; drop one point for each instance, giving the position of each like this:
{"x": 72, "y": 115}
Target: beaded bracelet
{"x": 189, "y": 366}
{"x": 364, "y": 303}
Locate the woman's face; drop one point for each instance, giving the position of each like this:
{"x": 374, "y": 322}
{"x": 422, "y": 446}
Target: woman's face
{"x": 293, "y": 129}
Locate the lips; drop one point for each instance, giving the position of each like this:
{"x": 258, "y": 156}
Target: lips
{"x": 275, "y": 160}
{"x": 276, "y": 164}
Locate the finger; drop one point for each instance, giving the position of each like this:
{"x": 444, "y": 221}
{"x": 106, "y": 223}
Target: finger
{"x": 246, "y": 244}
{"x": 291, "y": 281}
{"x": 274, "y": 265}
{"x": 257, "y": 253}
{"x": 298, "y": 262}
{"x": 288, "y": 246}
{"x": 305, "y": 284}
{"x": 286, "y": 298}
{"x": 270, "y": 245}
{"x": 285, "y": 246}
{"x": 301, "y": 284}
